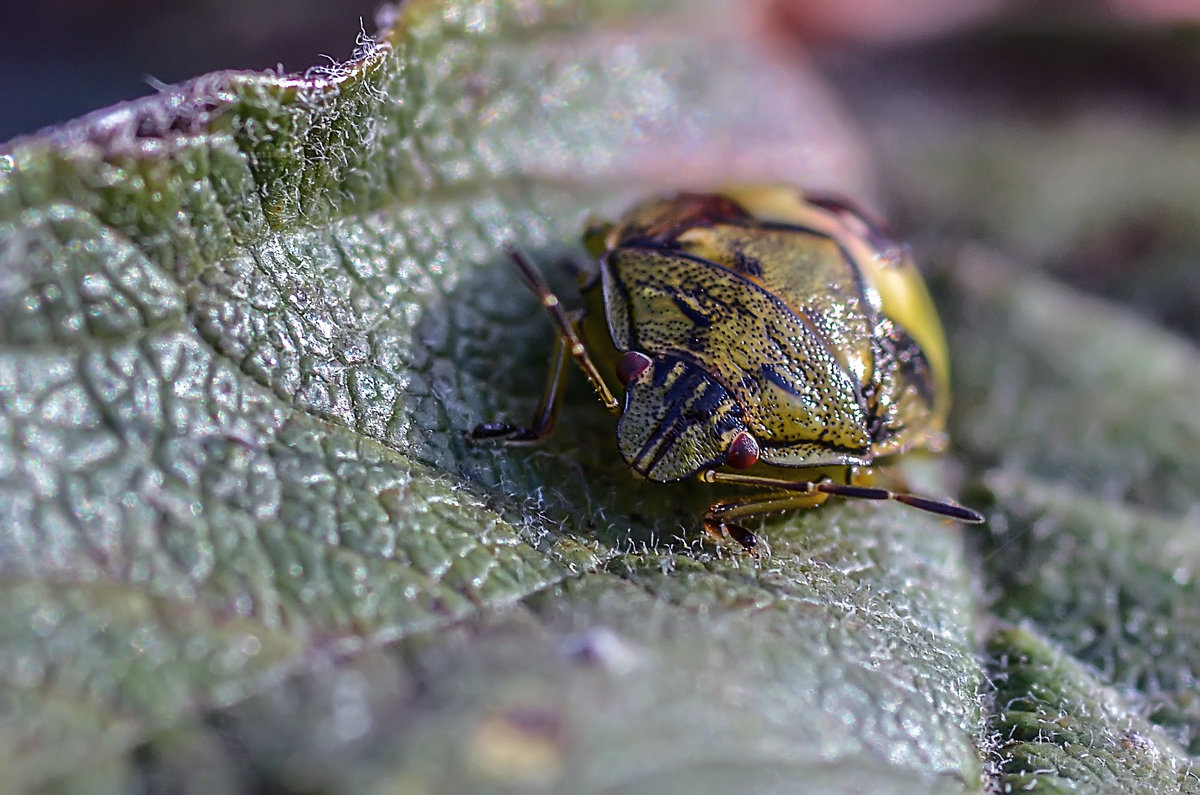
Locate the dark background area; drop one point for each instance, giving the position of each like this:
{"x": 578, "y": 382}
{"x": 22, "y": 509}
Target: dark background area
{"x": 62, "y": 58}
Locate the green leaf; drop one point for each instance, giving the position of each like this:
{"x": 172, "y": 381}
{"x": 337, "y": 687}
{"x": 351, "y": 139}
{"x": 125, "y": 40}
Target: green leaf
{"x": 1076, "y": 415}
{"x": 245, "y": 325}
{"x": 1090, "y": 543}
{"x": 1063, "y": 730}
{"x": 245, "y": 545}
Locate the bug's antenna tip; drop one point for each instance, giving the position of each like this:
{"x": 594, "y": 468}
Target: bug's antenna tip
{"x": 942, "y": 508}
{"x": 969, "y": 516}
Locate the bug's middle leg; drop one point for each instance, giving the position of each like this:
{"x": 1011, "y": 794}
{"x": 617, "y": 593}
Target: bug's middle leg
{"x": 545, "y": 418}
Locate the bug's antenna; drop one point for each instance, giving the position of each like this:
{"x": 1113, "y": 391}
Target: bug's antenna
{"x": 939, "y": 507}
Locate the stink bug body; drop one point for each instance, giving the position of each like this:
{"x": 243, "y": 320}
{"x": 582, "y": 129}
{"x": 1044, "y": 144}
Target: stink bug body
{"x": 755, "y": 337}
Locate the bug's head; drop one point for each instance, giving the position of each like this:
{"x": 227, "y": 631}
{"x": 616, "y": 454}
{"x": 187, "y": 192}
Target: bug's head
{"x": 678, "y": 420}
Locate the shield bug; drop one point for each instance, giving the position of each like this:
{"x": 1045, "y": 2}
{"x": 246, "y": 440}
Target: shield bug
{"x": 757, "y": 337}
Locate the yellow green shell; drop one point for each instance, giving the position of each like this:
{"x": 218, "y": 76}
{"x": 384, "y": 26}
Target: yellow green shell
{"x": 763, "y": 312}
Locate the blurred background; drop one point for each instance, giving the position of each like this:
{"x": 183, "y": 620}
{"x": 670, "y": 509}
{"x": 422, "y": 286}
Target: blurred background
{"x": 62, "y": 58}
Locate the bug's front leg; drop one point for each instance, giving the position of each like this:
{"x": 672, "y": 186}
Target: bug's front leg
{"x": 790, "y": 495}
{"x": 719, "y": 519}
{"x": 565, "y": 323}
{"x": 568, "y": 345}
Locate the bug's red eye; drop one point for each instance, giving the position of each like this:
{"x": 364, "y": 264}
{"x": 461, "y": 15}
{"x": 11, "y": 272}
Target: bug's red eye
{"x": 743, "y": 451}
{"x": 631, "y": 365}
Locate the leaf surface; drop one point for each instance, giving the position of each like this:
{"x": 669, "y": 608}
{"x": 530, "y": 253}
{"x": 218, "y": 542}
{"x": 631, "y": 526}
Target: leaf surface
{"x": 244, "y": 544}
{"x": 246, "y": 324}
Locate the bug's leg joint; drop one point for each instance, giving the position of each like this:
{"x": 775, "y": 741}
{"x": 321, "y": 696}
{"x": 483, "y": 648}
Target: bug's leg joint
{"x": 719, "y": 530}
{"x": 503, "y": 431}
